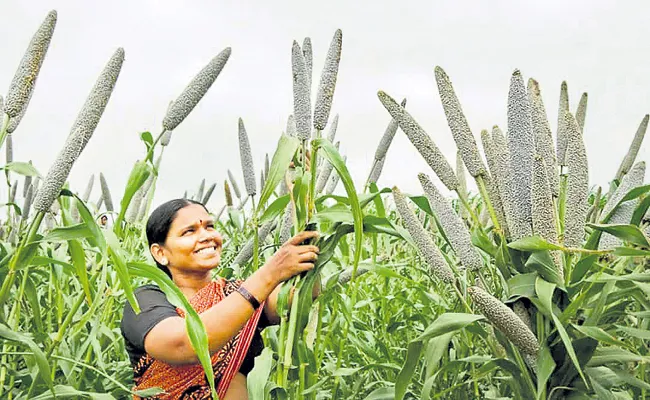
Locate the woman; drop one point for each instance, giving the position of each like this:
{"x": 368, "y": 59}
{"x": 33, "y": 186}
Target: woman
{"x": 185, "y": 245}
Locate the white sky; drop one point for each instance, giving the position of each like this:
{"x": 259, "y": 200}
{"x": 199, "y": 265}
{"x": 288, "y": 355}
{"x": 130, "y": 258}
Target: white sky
{"x": 597, "y": 46}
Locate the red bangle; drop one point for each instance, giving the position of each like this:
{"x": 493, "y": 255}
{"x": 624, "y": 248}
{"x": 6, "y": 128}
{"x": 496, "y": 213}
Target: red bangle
{"x": 248, "y": 296}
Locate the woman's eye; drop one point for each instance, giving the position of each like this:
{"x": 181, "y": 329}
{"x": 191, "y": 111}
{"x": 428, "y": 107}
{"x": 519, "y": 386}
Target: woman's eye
{"x": 188, "y": 231}
{"x": 211, "y": 226}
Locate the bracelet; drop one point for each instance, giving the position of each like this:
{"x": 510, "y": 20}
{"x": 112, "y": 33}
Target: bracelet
{"x": 248, "y": 296}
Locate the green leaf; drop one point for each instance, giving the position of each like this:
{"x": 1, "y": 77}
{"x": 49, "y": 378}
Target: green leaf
{"x": 336, "y": 213}
{"x": 287, "y": 147}
{"x": 41, "y": 361}
{"x": 22, "y": 168}
{"x": 630, "y": 252}
{"x": 640, "y": 211}
{"x": 383, "y": 393}
{"x": 606, "y": 355}
{"x": 627, "y": 233}
{"x": 643, "y": 334}
{"x": 97, "y": 237}
{"x": 448, "y": 322}
{"x": 64, "y": 391}
{"x": 65, "y": 233}
{"x": 116, "y": 254}
{"x": 542, "y": 263}
{"x": 274, "y": 209}
{"x": 444, "y": 324}
{"x": 405, "y": 375}
{"x": 522, "y": 285}
{"x": 194, "y": 326}
{"x": 545, "y": 293}
{"x": 533, "y": 243}
{"x": 139, "y": 174}
{"x": 259, "y": 375}
{"x": 545, "y": 367}
{"x": 631, "y": 195}
{"x": 335, "y": 159}
{"x": 598, "y": 334}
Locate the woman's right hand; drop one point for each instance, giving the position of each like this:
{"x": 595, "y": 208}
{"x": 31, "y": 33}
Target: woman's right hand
{"x": 292, "y": 258}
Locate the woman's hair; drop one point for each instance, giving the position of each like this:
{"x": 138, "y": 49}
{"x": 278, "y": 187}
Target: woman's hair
{"x": 161, "y": 220}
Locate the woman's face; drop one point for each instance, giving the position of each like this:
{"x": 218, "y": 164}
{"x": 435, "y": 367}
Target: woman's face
{"x": 192, "y": 242}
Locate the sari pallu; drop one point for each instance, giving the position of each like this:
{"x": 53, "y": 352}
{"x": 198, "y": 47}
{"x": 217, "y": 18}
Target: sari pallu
{"x": 189, "y": 381}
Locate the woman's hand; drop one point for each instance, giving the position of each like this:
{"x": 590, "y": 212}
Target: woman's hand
{"x": 292, "y": 258}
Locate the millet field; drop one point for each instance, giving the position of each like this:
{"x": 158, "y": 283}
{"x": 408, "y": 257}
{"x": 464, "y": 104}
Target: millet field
{"x": 535, "y": 286}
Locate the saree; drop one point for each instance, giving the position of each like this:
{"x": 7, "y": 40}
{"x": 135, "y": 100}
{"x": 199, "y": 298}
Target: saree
{"x": 188, "y": 382}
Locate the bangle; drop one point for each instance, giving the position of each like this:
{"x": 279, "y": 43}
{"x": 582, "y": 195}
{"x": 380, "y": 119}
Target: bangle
{"x": 248, "y": 296}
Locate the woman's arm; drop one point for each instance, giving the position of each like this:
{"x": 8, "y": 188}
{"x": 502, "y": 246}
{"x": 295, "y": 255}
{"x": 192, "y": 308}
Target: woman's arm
{"x": 271, "y": 307}
{"x": 168, "y": 340}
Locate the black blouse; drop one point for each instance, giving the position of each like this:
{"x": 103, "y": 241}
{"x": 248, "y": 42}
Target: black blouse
{"x": 154, "y": 307}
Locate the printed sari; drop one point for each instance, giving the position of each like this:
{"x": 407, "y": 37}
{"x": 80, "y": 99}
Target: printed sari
{"x": 188, "y": 382}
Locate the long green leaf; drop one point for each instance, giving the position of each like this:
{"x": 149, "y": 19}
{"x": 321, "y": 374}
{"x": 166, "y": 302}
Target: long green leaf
{"x": 139, "y": 174}
{"x": 336, "y": 160}
{"x": 285, "y": 151}
{"x": 627, "y": 233}
{"x": 43, "y": 366}
{"x": 545, "y": 293}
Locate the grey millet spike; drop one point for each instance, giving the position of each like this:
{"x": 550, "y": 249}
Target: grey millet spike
{"x": 458, "y": 125}
{"x": 22, "y": 85}
{"x": 82, "y": 130}
{"x": 327, "y": 84}
{"x": 577, "y": 185}
{"x": 421, "y": 141}
{"x": 194, "y": 91}
{"x": 301, "y": 100}
{"x": 454, "y": 227}
{"x": 425, "y": 245}
{"x": 521, "y": 146}
{"x": 246, "y": 160}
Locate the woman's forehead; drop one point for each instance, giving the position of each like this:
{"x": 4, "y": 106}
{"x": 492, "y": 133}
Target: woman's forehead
{"x": 189, "y": 215}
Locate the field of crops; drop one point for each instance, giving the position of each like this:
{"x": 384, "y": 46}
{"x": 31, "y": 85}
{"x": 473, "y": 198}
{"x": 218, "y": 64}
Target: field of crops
{"x": 534, "y": 287}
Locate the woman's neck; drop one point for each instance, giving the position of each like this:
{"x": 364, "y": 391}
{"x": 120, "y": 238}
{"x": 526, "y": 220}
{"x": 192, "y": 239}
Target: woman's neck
{"x": 189, "y": 284}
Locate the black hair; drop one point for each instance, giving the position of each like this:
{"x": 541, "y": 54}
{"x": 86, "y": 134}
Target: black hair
{"x": 160, "y": 221}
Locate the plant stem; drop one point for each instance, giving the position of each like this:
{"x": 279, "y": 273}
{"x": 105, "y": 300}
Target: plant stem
{"x": 467, "y": 206}
{"x": 3, "y": 128}
{"x": 486, "y": 198}
{"x": 312, "y": 183}
{"x": 13, "y": 262}
{"x": 256, "y": 238}
{"x": 293, "y": 321}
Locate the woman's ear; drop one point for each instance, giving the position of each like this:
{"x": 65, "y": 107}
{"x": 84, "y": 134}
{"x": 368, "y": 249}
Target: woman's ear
{"x": 158, "y": 253}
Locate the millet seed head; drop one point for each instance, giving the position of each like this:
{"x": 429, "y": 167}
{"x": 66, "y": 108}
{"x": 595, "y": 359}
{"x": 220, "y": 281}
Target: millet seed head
{"x": 308, "y": 53}
{"x": 623, "y": 214}
{"x": 375, "y": 173}
{"x": 246, "y": 160}
{"x": 387, "y": 138}
{"x": 22, "y": 85}
{"x": 577, "y": 185}
{"x": 425, "y": 245}
{"x": 521, "y": 146}
{"x": 208, "y": 193}
{"x": 233, "y": 184}
{"x": 328, "y": 82}
{"x": 505, "y": 320}
{"x": 543, "y": 137}
{"x": 421, "y": 140}
{"x": 454, "y": 227}
{"x": 195, "y": 90}
{"x": 581, "y": 112}
{"x": 226, "y": 189}
{"x": 632, "y": 152}
{"x": 458, "y": 124}
{"x": 301, "y": 98}
{"x": 561, "y": 128}
{"x": 81, "y": 132}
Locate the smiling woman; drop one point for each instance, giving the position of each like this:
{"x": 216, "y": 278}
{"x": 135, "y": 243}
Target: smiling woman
{"x": 184, "y": 243}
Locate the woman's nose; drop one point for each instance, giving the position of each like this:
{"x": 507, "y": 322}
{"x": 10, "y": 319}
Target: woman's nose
{"x": 211, "y": 235}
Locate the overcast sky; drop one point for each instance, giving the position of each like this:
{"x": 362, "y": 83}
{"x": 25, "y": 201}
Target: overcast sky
{"x": 599, "y": 47}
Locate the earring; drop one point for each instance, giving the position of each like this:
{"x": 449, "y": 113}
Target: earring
{"x": 164, "y": 262}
